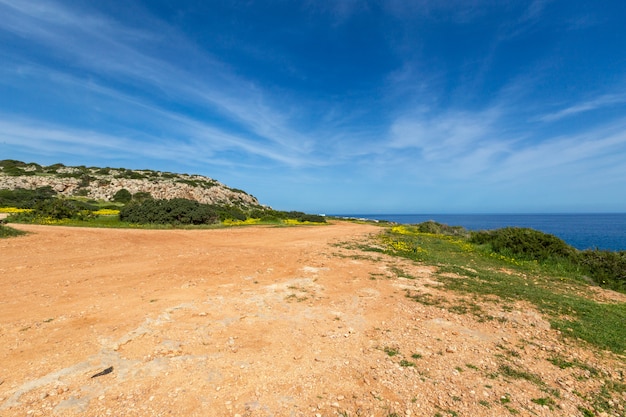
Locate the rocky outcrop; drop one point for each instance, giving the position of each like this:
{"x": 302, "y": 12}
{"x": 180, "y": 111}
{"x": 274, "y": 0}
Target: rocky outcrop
{"x": 104, "y": 183}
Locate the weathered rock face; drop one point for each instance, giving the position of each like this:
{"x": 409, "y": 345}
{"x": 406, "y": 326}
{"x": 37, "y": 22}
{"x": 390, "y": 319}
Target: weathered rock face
{"x": 103, "y": 183}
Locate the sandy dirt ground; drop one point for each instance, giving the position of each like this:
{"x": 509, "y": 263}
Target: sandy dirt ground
{"x": 262, "y": 321}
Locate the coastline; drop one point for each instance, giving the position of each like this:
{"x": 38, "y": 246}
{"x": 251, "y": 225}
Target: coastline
{"x": 604, "y": 231}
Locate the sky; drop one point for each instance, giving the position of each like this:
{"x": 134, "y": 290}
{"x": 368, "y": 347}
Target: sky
{"x": 336, "y": 107}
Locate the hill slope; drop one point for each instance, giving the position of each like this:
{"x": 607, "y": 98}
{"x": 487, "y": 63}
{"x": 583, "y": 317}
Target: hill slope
{"x": 103, "y": 183}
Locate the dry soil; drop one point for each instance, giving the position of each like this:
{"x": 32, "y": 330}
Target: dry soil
{"x": 264, "y": 321}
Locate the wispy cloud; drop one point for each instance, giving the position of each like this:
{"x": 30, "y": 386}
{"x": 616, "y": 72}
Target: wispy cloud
{"x": 606, "y": 100}
{"x": 110, "y": 51}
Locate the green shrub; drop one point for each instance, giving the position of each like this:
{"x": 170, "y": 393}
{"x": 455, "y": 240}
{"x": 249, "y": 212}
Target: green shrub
{"x": 17, "y": 168}
{"x": 608, "y": 269}
{"x": 524, "y": 243}
{"x": 23, "y": 198}
{"x": 177, "y": 211}
{"x": 441, "y": 229}
{"x": 130, "y": 174}
{"x": 122, "y": 196}
{"x": 142, "y": 195}
{"x": 304, "y": 217}
{"x": 56, "y": 209}
{"x": 229, "y": 213}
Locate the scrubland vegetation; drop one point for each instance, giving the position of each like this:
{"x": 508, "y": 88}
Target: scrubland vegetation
{"x": 517, "y": 264}
{"x": 133, "y": 210}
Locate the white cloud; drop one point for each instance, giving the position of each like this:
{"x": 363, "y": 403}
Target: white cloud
{"x": 106, "y": 49}
{"x": 606, "y": 100}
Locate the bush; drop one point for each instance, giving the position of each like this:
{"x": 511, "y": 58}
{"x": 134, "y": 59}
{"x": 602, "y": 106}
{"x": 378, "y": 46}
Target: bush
{"x": 441, "y": 229}
{"x": 122, "y": 196}
{"x": 524, "y": 243}
{"x": 130, "y": 174}
{"x": 23, "y": 198}
{"x": 606, "y": 268}
{"x": 177, "y": 211}
{"x": 229, "y": 213}
{"x": 15, "y": 168}
{"x": 56, "y": 209}
{"x": 141, "y": 196}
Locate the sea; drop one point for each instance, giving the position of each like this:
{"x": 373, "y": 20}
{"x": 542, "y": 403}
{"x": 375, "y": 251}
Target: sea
{"x": 605, "y": 231}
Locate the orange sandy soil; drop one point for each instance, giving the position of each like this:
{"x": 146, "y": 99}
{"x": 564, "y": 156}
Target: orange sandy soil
{"x": 261, "y": 321}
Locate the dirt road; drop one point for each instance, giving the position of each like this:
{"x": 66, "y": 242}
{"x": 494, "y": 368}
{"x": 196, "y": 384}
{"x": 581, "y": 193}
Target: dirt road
{"x": 256, "y": 322}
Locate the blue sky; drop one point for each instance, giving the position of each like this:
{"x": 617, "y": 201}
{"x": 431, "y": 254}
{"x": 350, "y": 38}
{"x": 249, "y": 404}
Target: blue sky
{"x": 424, "y": 106}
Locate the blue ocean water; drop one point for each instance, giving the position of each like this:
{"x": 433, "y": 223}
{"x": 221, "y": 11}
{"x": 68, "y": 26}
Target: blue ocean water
{"x": 606, "y": 231}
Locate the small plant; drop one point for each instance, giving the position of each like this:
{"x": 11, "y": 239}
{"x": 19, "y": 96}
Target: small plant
{"x": 391, "y": 351}
{"x": 544, "y": 402}
{"x": 424, "y": 298}
{"x": 511, "y": 372}
{"x": 560, "y": 362}
{"x": 511, "y": 409}
{"x": 416, "y": 356}
{"x": 406, "y": 364}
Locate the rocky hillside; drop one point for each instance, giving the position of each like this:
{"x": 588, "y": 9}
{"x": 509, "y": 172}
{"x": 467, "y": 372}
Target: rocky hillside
{"x": 103, "y": 183}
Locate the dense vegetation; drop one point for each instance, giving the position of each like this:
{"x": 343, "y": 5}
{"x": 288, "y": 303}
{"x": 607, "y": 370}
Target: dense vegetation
{"x": 181, "y": 212}
{"x": 176, "y": 212}
{"x": 42, "y": 206}
{"x": 22, "y": 198}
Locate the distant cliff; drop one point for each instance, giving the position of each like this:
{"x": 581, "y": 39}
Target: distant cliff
{"x": 103, "y": 183}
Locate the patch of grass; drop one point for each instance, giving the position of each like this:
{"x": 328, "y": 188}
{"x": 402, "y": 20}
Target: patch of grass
{"x": 406, "y": 364}
{"x": 510, "y": 372}
{"x": 6, "y": 231}
{"x": 416, "y": 356}
{"x": 545, "y": 402}
{"x": 585, "y": 412}
{"x": 603, "y": 400}
{"x": 400, "y": 273}
{"x": 558, "y": 293}
{"x": 424, "y": 298}
{"x": 563, "y": 363}
{"x": 484, "y": 403}
{"x": 391, "y": 351}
